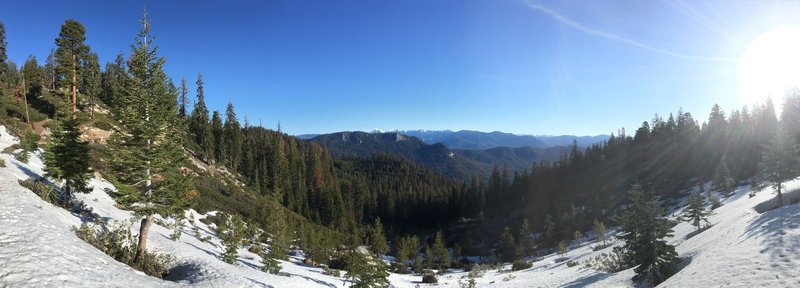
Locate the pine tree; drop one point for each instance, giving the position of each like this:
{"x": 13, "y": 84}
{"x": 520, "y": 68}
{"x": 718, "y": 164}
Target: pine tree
{"x": 231, "y": 233}
{"x": 67, "y": 159}
{"x": 70, "y": 53}
{"x": 600, "y": 231}
{"x": 90, "y": 80}
{"x": 183, "y": 101}
{"x": 233, "y": 138}
{"x": 578, "y": 236}
{"x": 439, "y": 248}
{"x": 562, "y": 249}
{"x": 216, "y": 132}
{"x": 506, "y": 246}
{"x": 200, "y": 126}
{"x": 112, "y": 82}
{"x": 524, "y": 238}
{"x": 281, "y": 235}
{"x": 3, "y": 47}
{"x": 377, "y": 240}
{"x": 780, "y": 162}
{"x": 147, "y": 159}
{"x": 407, "y": 248}
{"x": 643, "y": 231}
{"x": 696, "y": 212}
{"x": 419, "y": 264}
{"x": 28, "y": 145}
{"x": 49, "y": 70}
{"x": 366, "y": 271}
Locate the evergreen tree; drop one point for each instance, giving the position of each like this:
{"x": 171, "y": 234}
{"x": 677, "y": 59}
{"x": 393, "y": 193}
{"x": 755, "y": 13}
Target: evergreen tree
{"x": 281, "y": 235}
{"x": 183, "y": 101}
{"x": 407, "y": 248}
{"x": 70, "y": 53}
{"x": 232, "y": 135}
{"x": 439, "y": 248}
{"x": 90, "y": 81}
{"x": 643, "y": 231}
{"x": 506, "y": 246}
{"x": 377, "y": 240}
{"x": 33, "y": 77}
{"x": 696, "y": 212}
{"x": 3, "y": 47}
{"x": 28, "y": 145}
{"x": 217, "y": 133}
{"x": 418, "y": 264}
{"x": 366, "y": 271}
{"x": 578, "y": 236}
{"x": 201, "y": 128}
{"x": 67, "y": 159}
{"x": 430, "y": 260}
{"x": 112, "y": 82}
{"x": 780, "y": 162}
{"x": 600, "y": 231}
{"x": 562, "y": 249}
{"x": 524, "y": 238}
{"x": 50, "y": 70}
{"x": 231, "y": 233}
{"x": 147, "y": 159}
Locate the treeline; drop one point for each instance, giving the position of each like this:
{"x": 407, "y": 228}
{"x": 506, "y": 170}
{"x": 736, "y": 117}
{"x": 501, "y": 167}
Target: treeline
{"x": 666, "y": 156}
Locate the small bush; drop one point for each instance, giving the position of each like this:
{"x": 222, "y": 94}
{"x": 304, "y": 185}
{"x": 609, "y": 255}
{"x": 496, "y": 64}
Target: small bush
{"x": 521, "y": 265}
{"x": 609, "y": 262}
{"x": 572, "y": 263}
{"x": 118, "y": 242}
{"x": 430, "y": 279}
{"x": 47, "y": 192}
{"x": 2, "y": 163}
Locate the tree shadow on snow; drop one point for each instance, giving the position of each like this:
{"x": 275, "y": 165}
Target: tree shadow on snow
{"x": 320, "y": 282}
{"x": 28, "y": 172}
{"x": 587, "y": 280}
{"x": 771, "y": 226}
{"x": 259, "y": 283}
{"x": 204, "y": 250}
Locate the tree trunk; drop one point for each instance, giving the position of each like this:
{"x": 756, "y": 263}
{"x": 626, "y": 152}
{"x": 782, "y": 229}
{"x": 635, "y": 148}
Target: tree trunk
{"x": 74, "y": 87}
{"x": 25, "y": 99}
{"x": 144, "y": 230}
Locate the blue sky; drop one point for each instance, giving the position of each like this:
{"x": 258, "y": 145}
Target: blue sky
{"x": 526, "y": 67}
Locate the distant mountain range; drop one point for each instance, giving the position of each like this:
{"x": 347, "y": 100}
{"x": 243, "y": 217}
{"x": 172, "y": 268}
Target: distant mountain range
{"x": 455, "y": 163}
{"x": 467, "y": 139}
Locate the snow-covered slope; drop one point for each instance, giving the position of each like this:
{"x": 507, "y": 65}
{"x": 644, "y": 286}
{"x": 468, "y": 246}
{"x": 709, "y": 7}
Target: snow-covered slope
{"x": 744, "y": 248}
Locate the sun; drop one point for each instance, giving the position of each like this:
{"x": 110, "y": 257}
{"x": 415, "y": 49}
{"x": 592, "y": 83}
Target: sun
{"x": 771, "y": 65}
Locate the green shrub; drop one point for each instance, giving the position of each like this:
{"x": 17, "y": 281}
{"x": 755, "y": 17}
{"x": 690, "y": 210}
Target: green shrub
{"x": 47, "y": 192}
{"x": 610, "y": 262}
{"x": 118, "y": 242}
{"x": 430, "y": 279}
{"x": 521, "y": 265}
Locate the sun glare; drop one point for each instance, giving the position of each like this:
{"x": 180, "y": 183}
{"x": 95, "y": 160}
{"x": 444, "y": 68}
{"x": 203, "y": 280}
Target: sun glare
{"x": 771, "y": 65}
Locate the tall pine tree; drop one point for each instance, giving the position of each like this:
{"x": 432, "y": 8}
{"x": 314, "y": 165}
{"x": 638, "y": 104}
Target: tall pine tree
{"x": 200, "y": 127}
{"x": 147, "y": 157}
{"x": 70, "y": 53}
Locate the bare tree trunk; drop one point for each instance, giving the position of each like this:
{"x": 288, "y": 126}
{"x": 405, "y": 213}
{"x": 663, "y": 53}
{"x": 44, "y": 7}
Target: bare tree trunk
{"x": 74, "y": 87}
{"x": 25, "y": 100}
{"x": 144, "y": 230}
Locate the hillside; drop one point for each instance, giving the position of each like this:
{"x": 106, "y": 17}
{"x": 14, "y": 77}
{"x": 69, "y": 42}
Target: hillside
{"x": 743, "y": 248}
{"x": 454, "y": 163}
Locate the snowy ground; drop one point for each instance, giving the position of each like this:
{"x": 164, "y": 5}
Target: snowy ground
{"x": 37, "y": 249}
